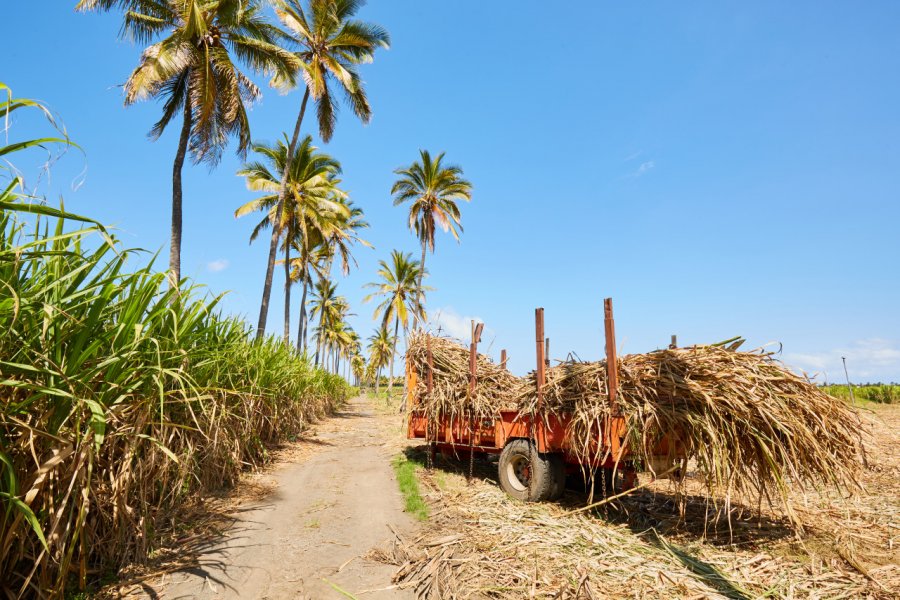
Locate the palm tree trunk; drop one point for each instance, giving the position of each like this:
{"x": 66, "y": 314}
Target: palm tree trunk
{"x": 301, "y": 327}
{"x": 273, "y": 244}
{"x": 320, "y": 344}
{"x": 419, "y": 293}
{"x": 393, "y": 354}
{"x": 377, "y": 379}
{"x": 175, "y": 246}
{"x": 287, "y": 287}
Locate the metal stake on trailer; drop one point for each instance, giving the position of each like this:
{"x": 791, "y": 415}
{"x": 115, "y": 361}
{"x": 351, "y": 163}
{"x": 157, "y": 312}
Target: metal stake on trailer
{"x": 540, "y": 344}
{"x": 473, "y": 374}
{"x": 612, "y": 382}
{"x": 612, "y": 371}
{"x": 429, "y": 386}
{"x": 503, "y": 359}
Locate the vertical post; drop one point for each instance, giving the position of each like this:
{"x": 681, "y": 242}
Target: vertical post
{"x": 503, "y": 359}
{"x": 429, "y": 386}
{"x": 473, "y": 374}
{"x": 539, "y": 375}
{"x": 612, "y": 371}
{"x": 539, "y": 346}
{"x": 546, "y": 352}
{"x": 849, "y": 385}
{"x": 674, "y": 343}
{"x": 472, "y": 363}
{"x": 429, "y": 376}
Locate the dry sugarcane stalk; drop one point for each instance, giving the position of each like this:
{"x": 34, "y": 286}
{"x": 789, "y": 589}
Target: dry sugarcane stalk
{"x": 752, "y": 426}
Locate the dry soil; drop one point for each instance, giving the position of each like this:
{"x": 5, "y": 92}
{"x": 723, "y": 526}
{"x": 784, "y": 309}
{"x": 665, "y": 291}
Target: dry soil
{"x": 307, "y": 537}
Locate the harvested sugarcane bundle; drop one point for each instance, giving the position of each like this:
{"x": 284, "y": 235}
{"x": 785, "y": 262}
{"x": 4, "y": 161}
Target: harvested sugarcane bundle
{"x": 748, "y": 424}
{"x": 752, "y": 426}
{"x": 495, "y": 388}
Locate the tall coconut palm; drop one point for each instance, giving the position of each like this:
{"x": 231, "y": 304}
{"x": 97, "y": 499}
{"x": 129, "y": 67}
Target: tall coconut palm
{"x": 353, "y": 347}
{"x": 433, "y": 190}
{"x": 336, "y": 335}
{"x": 358, "y": 368}
{"x": 402, "y": 296}
{"x": 381, "y": 347}
{"x": 335, "y": 235}
{"x": 312, "y": 257}
{"x": 191, "y": 70}
{"x": 343, "y": 235}
{"x": 328, "y": 306}
{"x": 312, "y": 199}
{"x": 339, "y": 339}
{"x": 330, "y": 43}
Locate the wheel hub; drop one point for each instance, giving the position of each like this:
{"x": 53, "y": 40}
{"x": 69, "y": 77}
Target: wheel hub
{"x": 520, "y": 471}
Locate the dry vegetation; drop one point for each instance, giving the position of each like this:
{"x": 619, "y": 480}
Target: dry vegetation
{"x": 481, "y": 544}
{"x": 750, "y": 427}
{"x": 778, "y": 501}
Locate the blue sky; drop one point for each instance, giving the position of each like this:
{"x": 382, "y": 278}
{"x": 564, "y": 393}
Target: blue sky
{"x": 718, "y": 168}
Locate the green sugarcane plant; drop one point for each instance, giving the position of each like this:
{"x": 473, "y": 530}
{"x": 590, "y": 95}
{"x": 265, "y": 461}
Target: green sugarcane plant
{"x": 120, "y": 397}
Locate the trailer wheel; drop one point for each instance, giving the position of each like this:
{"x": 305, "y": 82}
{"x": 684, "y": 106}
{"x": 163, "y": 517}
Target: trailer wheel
{"x": 524, "y": 474}
{"x": 558, "y": 474}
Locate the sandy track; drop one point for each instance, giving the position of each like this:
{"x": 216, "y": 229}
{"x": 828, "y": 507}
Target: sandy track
{"x": 311, "y": 532}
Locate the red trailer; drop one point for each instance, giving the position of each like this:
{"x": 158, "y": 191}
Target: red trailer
{"x": 534, "y": 457}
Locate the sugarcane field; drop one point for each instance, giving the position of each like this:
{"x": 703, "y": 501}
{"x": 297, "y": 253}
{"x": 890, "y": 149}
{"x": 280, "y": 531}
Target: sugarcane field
{"x": 329, "y": 300}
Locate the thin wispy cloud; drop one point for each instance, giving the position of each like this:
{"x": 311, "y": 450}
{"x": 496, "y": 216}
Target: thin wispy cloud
{"x": 873, "y": 359}
{"x": 217, "y": 265}
{"x": 643, "y": 169}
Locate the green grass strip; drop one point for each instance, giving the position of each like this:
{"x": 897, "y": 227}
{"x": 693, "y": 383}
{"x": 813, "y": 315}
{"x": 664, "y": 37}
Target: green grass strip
{"x": 408, "y": 481}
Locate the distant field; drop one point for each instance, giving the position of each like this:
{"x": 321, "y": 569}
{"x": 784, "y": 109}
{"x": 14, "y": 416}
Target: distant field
{"x": 883, "y": 393}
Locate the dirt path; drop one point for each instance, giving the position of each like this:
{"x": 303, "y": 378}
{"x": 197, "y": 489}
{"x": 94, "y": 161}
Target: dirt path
{"x": 306, "y": 539}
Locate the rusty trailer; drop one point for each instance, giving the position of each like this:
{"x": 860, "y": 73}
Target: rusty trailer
{"x": 534, "y": 457}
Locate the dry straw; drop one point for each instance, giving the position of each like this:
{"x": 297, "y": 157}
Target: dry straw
{"x": 747, "y": 424}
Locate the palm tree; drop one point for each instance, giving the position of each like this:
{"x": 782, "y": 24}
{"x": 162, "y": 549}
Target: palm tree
{"x": 333, "y": 235}
{"x": 358, "y": 367}
{"x": 313, "y": 199}
{"x": 402, "y": 296}
{"x": 352, "y": 350}
{"x": 330, "y": 44}
{"x": 433, "y": 190}
{"x": 340, "y": 339}
{"x": 381, "y": 348}
{"x": 311, "y": 260}
{"x": 342, "y": 235}
{"x": 330, "y": 308}
{"x": 191, "y": 70}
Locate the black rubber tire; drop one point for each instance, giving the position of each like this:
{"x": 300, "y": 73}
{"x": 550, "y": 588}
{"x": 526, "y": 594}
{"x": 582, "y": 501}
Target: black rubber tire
{"x": 523, "y": 473}
{"x": 558, "y": 474}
